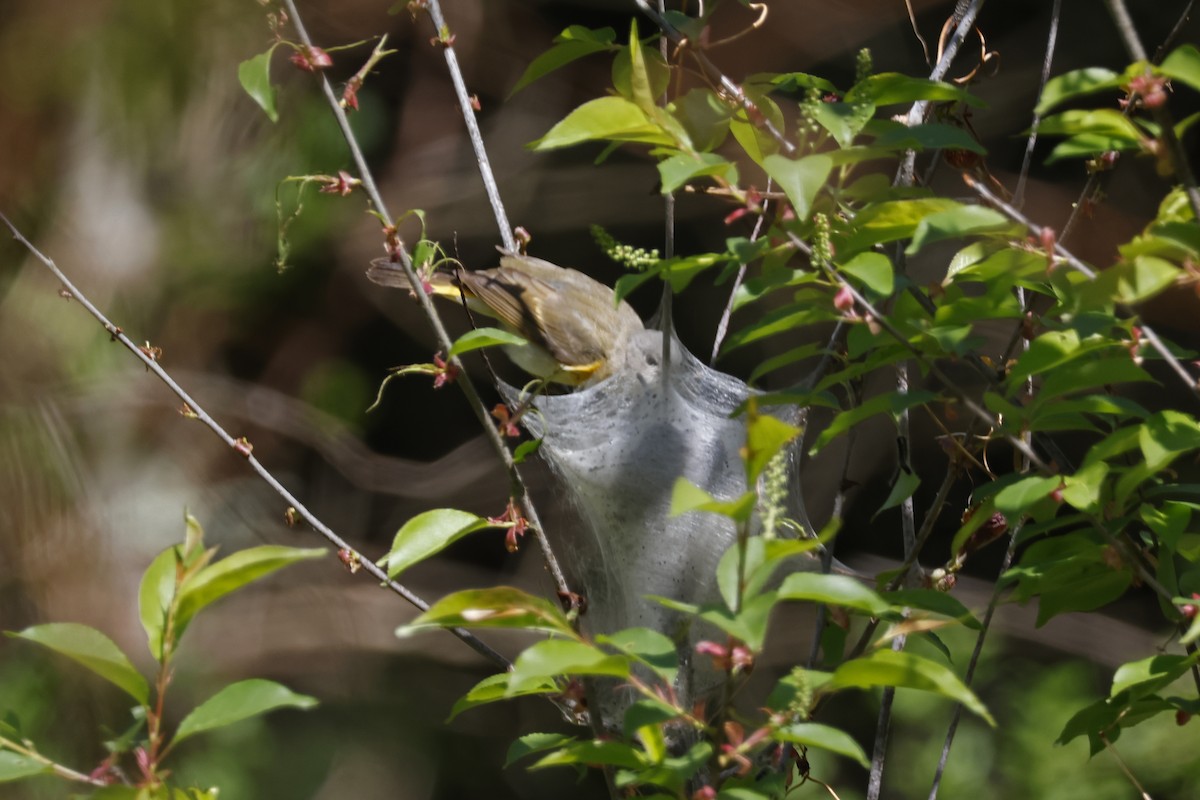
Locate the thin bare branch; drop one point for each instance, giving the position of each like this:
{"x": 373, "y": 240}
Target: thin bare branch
{"x": 482, "y": 415}
{"x": 241, "y": 446}
{"x": 1051, "y": 41}
{"x": 714, "y": 73}
{"x": 1151, "y": 337}
{"x": 468, "y": 112}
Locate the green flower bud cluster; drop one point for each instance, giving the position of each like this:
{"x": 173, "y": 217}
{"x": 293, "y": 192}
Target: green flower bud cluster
{"x": 632, "y": 258}
{"x": 822, "y": 244}
{"x": 863, "y": 68}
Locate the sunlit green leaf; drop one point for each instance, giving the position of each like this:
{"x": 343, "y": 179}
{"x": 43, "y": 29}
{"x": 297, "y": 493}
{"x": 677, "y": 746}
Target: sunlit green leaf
{"x": 766, "y": 436}
{"x": 240, "y": 701}
{"x": 232, "y": 573}
{"x": 892, "y": 88}
{"x": 1075, "y": 84}
{"x": 497, "y": 607}
{"x": 679, "y": 169}
{"x": 92, "y": 649}
{"x": 478, "y": 338}
{"x": 649, "y": 647}
{"x": 14, "y": 766}
{"x": 610, "y": 118}
{"x": 1183, "y": 65}
{"x": 255, "y": 76}
{"x": 891, "y": 220}
{"x": 495, "y": 688}
{"x": 812, "y": 734}
{"x": 834, "y": 590}
{"x": 956, "y": 223}
{"x": 873, "y": 270}
{"x": 572, "y": 44}
{"x": 428, "y": 533}
{"x": 532, "y": 743}
{"x": 592, "y": 752}
{"x": 800, "y": 179}
{"x": 687, "y": 496}
{"x": 553, "y": 657}
{"x": 1148, "y": 675}
{"x": 906, "y": 671}
{"x": 890, "y": 402}
{"x": 1103, "y": 121}
{"x": 154, "y": 598}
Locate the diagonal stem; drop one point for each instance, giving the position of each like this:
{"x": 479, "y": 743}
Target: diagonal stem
{"x": 520, "y": 490}
{"x": 240, "y": 446}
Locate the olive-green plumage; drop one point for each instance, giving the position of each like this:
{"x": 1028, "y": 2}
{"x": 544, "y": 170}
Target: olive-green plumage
{"x": 577, "y": 334}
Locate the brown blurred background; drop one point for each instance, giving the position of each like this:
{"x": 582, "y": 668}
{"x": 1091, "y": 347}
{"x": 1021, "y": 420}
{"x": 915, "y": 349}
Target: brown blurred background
{"x": 130, "y": 155}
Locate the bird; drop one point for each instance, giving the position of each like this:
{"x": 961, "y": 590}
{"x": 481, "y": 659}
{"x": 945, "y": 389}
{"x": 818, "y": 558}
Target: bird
{"x": 578, "y": 334}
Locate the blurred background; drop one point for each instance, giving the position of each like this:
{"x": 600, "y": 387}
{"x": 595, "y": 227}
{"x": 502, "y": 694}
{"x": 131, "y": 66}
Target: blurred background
{"x": 130, "y": 154}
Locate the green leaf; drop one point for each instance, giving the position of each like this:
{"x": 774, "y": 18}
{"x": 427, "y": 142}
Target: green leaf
{"x": 610, "y": 118}
{"x": 1151, "y": 674}
{"x": 935, "y": 601}
{"x": 649, "y": 647}
{"x": 906, "y": 483}
{"x": 687, "y": 496}
{"x": 812, "y": 734}
{"x": 571, "y": 45}
{"x": 781, "y": 320}
{"x": 800, "y": 179}
{"x": 755, "y": 140}
{"x": 704, "y": 117}
{"x": 1047, "y": 351}
{"x": 1104, "y": 122}
{"x": 1183, "y": 64}
{"x": 554, "y": 657}
{"x": 1089, "y": 145}
{"x": 873, "y": 270}
{"x": 834, "y": 590}
{"x": 929, "y": 136}
{"x": 844, "y": 121}
{"x": 891, "y": 220}
{"x": 1016, "y": 498}
{"x": 428, "y": 533}
{"x": 595, "y": 751}
{"x": 906, "y": 671}
{"x": 255, "y": 76}
{"x": 232, "y": 573}
{"x": 1083, "y": 489}
{"x": 1075, "y": 84}
{"x": 497, "y": 607}
{"x": 956, "y": 223}
{"x": 1128, "y": 282}
{"x": 92, "y": 649}
{"x": 494, "y": 688}
{"x": 890, "y": 402}
{"x": 1165, "y": 435}
{"x": 893, "y": 88}
{"x": 485, "y": 337}
{"x": 766, "y": 436}
{"x": 239, "y": 701}
{"x": 154, "y": 597}
{"x": 532, "y": 743}
{"x": 14, "y": 766}
{"x": 679, "y": 169}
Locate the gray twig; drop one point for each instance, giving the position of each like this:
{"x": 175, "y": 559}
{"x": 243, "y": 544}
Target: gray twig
{"x": 242, "y": 447}
{"x": 435, "y": 322}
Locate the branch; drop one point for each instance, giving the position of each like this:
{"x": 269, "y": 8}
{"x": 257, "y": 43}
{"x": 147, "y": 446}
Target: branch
{"x": 435, "y": 321}
{"x": 243, "y": 447}
{"x": 1084, "y": 269}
